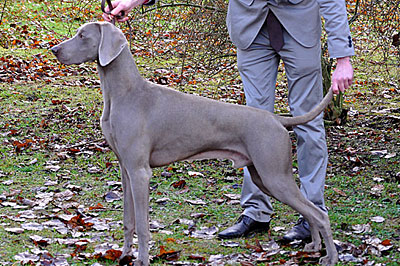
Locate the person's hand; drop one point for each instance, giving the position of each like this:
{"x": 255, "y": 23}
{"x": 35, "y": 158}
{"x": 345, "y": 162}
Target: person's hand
{"x": 121, "y": 5}
{"x": 342, "y": 77}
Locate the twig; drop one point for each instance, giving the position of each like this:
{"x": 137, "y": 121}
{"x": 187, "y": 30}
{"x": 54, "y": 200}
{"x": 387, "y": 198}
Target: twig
{"x": 42, "y": 26}
{"x": 2, "y": 12}
{"x": 83, "y": 144}
{"x": 80, "y": 7}
{"x": 221, "y": 56}
{"x": 355, "y": 16}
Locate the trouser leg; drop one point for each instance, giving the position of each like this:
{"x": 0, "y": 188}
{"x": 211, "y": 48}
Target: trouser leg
{"x": 303, "y": 71}
{"x": 258, "y": 68}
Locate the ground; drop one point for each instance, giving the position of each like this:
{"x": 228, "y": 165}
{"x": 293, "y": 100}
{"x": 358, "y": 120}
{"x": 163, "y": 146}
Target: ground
{"x": 60, "y": 192}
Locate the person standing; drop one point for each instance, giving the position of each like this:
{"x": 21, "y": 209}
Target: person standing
{"x": 266, "y": 32}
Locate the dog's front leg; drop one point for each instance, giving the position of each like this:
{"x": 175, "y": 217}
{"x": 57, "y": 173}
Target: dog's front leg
{"x": 129, "y": 214}
{"x": 139, "y": 180}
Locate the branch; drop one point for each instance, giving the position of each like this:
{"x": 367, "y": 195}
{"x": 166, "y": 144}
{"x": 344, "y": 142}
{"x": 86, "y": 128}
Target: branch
{"x": 355, "y": 16}
{"x": 184, "y": 4}
{"x": 220, "y": 56}
{"x": 2, "y": 13}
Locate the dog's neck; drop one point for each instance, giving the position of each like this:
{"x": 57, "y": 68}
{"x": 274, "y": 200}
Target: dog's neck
{"x": 122, "y": 74}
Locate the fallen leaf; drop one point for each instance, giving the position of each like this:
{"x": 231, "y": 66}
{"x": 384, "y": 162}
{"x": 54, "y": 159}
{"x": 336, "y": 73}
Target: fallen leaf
{"x": 94, "y": 170}
{"x": 192, "y": 174}
{"x": 54, "y": 223}
{"x": 14, "y": 230}
{"x": 65, "y": 195}
{"x": 361, "y": 228}
{"x": 168, "y": 255}
{"x": 196, "y": 202}
{"x": 232, "y": 196}
{"x": 230, "y": 244}
{"x": 379, "y": 152}
{"x": 349, "y": 258}
{"x": 269, "y": 246}
{"x": 257, "y": 247}
{"x": 32, "y": 226}
{"x": 26, "y": 257}
{"x": 378, "y": 219}
{"x": 170, "y": 239}
{"x": 101, "y": 226}
{"x": 266, "y": 256}
{"x": 338, "y": 191}
{"x": 205, "y": 232}
{"x": 197, "y": 257}
{"x": 32, "y": 162}
{"x": 306, "y": 257}
{"x": 112, "y": 196}
{"x": 8, "y": 182}
{"x": 390, "y": 155}
{"x": 97, "y": 207}
{"x": 162, "y": 200}
{"x": 188, "y": 222}
{"x": 126, "y": 260}
{"x": 102, "y": 248}
{"x": 50, "y": 183}
{"x": 79, "y": 223}
{"x": 9, "y": 204}
{"x": 29, "y": 214}
{"x": 215, "y": 258}
{"x": 112, "y": 254}
{"x": 197, "y": 215}
{"x": 166, "y": 174}
{"x": 53, "y": 168}
{"x": 155, "y": 225}
{"x": 278, "y": 228}
{"x": 179, "y": 184}
{"x": 39, "y": 241}
{"x": 74, "y": 188}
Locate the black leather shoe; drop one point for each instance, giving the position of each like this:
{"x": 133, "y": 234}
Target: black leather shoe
{"x": 243, "y": 227}
{"x": 301, "y": 231}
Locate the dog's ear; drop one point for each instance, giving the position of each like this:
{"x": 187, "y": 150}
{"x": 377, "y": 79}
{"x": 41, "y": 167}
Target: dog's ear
{"x": 112, "y": 42}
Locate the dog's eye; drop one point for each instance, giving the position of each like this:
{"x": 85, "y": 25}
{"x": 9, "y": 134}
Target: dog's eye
{"x": 81, "y": 35}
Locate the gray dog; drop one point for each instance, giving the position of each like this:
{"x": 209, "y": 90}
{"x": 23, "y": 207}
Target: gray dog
{"x": 149, "y": 125}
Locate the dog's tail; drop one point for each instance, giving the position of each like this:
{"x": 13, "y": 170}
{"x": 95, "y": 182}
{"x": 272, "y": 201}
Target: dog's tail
{"x": 302, "y": 119}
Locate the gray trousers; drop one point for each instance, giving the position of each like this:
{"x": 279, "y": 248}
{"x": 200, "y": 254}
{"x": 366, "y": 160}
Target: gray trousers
{"x": 258, "y": 67}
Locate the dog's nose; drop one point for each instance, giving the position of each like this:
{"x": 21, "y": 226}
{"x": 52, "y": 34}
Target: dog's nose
{"x": 55, "y": 49}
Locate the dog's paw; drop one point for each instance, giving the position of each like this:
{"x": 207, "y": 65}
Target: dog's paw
{"x": 328, "y": 260}
{"x": 312, "y": 247}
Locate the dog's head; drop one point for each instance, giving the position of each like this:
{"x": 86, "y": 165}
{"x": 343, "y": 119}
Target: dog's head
{"x": 100, "y": 41}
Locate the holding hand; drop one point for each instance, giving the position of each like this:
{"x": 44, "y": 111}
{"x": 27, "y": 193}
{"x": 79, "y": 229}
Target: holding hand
{"x": 342, "y": 77}
{"x": 122, "y": 5}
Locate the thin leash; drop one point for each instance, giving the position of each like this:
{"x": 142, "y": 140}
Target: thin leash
{"x": 114, "y": 19}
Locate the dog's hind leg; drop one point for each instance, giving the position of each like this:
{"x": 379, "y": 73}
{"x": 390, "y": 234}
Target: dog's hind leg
{"x": 272, "y": 173}
{"x": 286, "y": 191}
